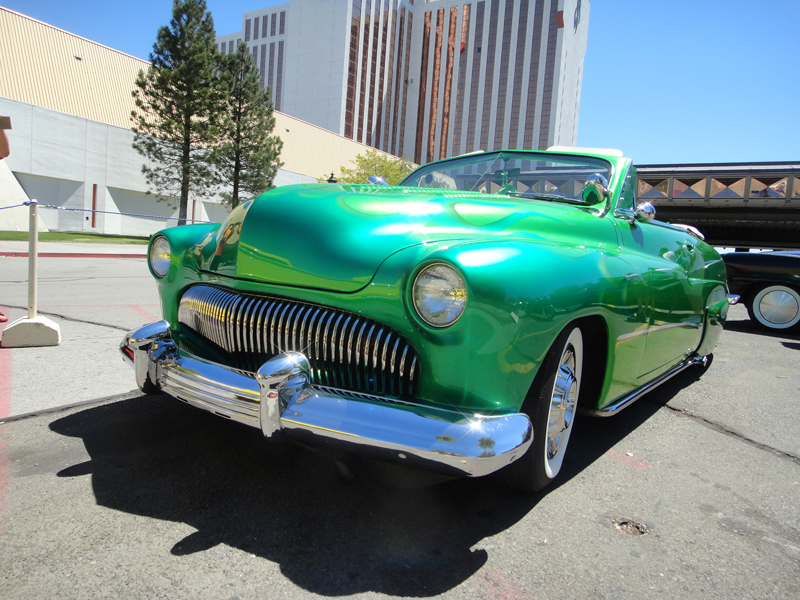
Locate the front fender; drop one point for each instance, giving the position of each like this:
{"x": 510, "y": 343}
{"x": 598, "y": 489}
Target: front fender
{"x": 520, "y": 297}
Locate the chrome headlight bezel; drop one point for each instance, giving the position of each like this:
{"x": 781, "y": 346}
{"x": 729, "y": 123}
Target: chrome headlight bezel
{"x": 160, "y": 256}
{"x": 452, "y": 302}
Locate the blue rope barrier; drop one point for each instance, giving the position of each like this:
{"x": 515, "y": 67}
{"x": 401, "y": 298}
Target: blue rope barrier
{"x": 107, "y": 212}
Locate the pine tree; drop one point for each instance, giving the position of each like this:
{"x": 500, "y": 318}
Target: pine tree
{"x": 247, "y": 159}
{"x": 178, "y": 102}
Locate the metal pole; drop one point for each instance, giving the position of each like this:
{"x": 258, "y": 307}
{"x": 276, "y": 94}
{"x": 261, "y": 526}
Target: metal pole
{"x": 33, "y": 255}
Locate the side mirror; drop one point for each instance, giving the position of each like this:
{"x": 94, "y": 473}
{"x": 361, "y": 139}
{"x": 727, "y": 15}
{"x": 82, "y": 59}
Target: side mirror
{"x": 376, "y": 180}
{"x": 595, "y": 189}
{"x": 645, "y": 212}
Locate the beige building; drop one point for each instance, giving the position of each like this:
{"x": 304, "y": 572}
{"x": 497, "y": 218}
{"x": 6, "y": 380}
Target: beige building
{"x": 70, "y": 102}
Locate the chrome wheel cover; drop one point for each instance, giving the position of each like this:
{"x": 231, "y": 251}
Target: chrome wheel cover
{"x": 563, "y": 402}
{"x": 777, "y": 307}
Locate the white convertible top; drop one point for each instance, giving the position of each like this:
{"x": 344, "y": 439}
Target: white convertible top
{"x": 606, "y": 151}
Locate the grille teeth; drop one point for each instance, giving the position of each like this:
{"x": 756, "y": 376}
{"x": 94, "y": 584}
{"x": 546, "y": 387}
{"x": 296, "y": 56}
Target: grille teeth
{"x": 345, "y": 350}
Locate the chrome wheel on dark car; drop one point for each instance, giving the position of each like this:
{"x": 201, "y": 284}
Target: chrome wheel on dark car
{"x": 775, "y": 307}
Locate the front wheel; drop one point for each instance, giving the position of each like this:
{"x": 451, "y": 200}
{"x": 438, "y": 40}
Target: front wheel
{"x": 775, "y": 307}
{"x": 551, "y": 405}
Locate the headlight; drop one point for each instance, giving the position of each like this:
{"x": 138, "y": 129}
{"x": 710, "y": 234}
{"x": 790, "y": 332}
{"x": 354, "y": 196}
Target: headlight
{"x": 160, "y": 256}
{"x": 440, "y": 295}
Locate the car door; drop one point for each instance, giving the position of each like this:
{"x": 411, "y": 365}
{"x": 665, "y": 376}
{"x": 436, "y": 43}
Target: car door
{"x": 667, "y": 260}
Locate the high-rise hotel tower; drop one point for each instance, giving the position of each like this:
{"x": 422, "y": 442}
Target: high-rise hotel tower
{"x": 425, "y": 79}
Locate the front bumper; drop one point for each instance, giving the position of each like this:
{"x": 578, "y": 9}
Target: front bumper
{"x": 280, "y": 401}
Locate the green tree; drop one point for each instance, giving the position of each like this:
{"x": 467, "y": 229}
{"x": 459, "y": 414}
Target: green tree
{"x": 178, "y": 102}
{"x": 247, "y": 159}
{"x": 372, "y": 162}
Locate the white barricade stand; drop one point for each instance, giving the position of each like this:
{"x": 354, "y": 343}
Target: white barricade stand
{"x": 32, "y": 330}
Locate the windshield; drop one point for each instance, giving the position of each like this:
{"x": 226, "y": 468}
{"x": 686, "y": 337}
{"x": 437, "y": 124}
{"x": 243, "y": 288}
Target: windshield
{"x": 519, "y": 174}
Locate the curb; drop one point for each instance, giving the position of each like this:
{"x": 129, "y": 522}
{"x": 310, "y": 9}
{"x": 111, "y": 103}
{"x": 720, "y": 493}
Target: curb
{"x": 69, "y": 255}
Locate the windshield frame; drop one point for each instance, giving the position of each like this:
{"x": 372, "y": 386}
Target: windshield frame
{"x": 604, "y": 166}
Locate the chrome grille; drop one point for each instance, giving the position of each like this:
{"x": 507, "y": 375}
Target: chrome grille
{"x": 345, "y": 350}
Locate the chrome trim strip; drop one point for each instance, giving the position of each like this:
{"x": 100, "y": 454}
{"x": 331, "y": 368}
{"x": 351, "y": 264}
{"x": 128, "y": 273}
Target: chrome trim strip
{"x": 358, "y": 345}
{"x": 625, "y": 401}
{"x": 281, "y": 402}
{"x": 286, "y": 328}
{"x": 635, "y": 334}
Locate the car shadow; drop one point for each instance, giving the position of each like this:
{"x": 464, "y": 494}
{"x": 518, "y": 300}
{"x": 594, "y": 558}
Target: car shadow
{"x": 753, "y": 329}
{"x": 156, "y": 457}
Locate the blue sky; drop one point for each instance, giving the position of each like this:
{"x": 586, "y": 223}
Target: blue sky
{"x": 665, "y": 81}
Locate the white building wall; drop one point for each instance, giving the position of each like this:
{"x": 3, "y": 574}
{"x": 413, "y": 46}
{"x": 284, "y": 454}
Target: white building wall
{"x": 314, "y": 74}
{"x": 59, "y": 158}
{"x": 572, "y": 52}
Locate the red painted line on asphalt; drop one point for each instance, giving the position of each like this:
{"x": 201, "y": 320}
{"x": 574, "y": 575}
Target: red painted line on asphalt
{"x": 5, "y": 410}
{"x": 70, "y": 255}
{"x": 49, "y": 306}
{"x": 628, "y": 461}
{"x": 5, "y": 371}
{"x": 500, "y": 586}
{"x": 139, "y": 310}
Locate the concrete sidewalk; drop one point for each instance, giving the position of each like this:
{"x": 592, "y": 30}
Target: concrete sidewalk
{"x": 74, "y": 249}
{"x": 94, "y": 297}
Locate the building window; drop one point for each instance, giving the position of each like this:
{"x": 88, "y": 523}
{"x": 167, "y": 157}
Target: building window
{"x": 230, "y": 47}
{"x": 502, "y": 92}
{"x": 423, "y": 87}
{"x": 448, "y": 80}
{"x": 488, "y": 91}
{"x": 271, "y": 72}
{"x": 263, "y": 65}
{"x": 390, "y": 87}
{"x": 549, "y": 72}
{"x": 516, "y": 89}
{"x": 402, "y": 133}
{"x": 352, "y": 70}
{"x": 247, "y": 30}
{"x": 283, "y": 22}
{"x": 379, "y": 113}
{"x": 398, "y": 80}
{"x": 475, "y": 76}
{"x": 362, "y": 94}
{"x": 462, "y": 76}
{"x": 533, "y": 78}
{"x": 437, "y": 63}
{"x": 273, "y": 24}
{"x": 373, "y": 80}
{"x": 264, "y": 23}
{"x": 280, "y": 76}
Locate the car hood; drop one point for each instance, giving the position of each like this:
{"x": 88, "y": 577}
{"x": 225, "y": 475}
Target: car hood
{"x": 335, "y": 236}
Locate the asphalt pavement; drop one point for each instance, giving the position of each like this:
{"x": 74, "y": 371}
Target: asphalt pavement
{"x": 692, "y": 492}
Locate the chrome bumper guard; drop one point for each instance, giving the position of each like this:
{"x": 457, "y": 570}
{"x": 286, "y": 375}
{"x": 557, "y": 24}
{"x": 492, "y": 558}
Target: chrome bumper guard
{"x": 280, "y": 401}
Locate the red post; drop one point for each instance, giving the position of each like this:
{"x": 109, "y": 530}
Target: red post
{"x": 94, "y": 205}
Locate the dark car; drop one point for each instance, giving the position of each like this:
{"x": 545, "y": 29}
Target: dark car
{"x": 769, "y": 284}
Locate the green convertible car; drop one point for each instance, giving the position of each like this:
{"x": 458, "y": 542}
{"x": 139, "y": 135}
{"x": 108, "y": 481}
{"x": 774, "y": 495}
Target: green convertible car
{"x": 453, "y": 323}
